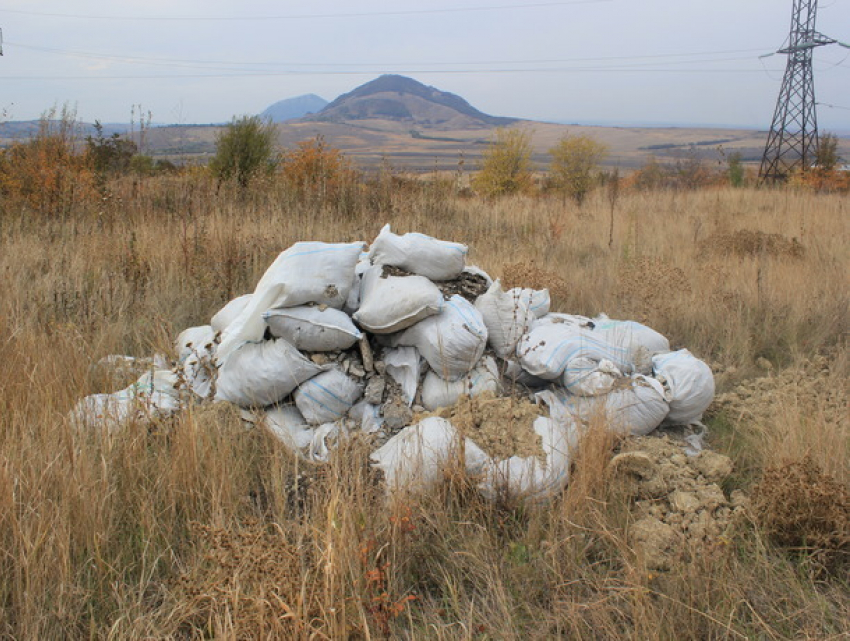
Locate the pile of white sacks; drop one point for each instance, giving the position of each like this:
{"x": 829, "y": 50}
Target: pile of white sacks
{"x": 335, "y": 339}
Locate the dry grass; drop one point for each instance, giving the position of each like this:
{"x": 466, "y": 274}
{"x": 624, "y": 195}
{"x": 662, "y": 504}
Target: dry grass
{"x": 200, "y": 528}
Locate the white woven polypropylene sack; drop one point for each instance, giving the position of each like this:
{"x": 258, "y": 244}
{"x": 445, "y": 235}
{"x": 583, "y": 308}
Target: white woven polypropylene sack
{"x": 452, "y": 341}
{"x": 313, "y": 329}
{"x": 367, "y": 415}
{"x": 419, "y": 254}
{"x": 222, "y": 319}
{"x": 690, "y": 383}
{"x": 263, "y": 373}
{"x": 395, "y": 303}
{"x": 403, "y": 367}
{"x": 352, "y": 303}
{"x": 587, "y": 377}
{"x": 327, "y": 397}
{"x": 530, "y": 477}
{"x": 506, "y": 316}
{"x": 438, "y": 392}
{"x": 637, "y": 406}
{"x": 154, "y": 395}
{"x": 549, "y": 346}
{"x": 307, "y": 272}
{"x": 415, "y": 459}
{"x": 641, "y": 341}
{"x": 287, "y": 424}
{"x": 194, "y": 340}
{"x": 538, "y": 301}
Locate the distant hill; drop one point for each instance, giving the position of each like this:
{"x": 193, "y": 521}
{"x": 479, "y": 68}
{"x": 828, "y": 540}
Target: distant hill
{"x": 293, "y": 108}
{"x": 402, "y": 99}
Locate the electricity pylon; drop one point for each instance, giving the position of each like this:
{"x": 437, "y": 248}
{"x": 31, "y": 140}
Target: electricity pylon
{"x": 793, "y": 138}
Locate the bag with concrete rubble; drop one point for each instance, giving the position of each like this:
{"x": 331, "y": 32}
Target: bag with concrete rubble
{"x": 392, "y": 303}
{"x": 327, "y": 397}
{"x": 640, "y": 341}
{"x": 313, "y": 329}
{"x": 154, "y": 395}
{"x": 636, "y": 405}
{"x": 196, "y": 348}
{"x": 532, "y": 477}
{"x": 438, "y": 392}
{"x": 262, "y": 373}
{"x": 418, "y": 457}
{"x": 222, "y": 319}
{"x": 452, "y": 342}
{"x": 546, "y": 350}
{"x": 507, "y": 317}
{"x": 307, "y": 272}
{"x": 419, "y": 254}
{"x": 689, "y": 384}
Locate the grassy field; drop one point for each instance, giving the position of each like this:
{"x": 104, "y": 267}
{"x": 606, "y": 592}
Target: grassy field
{"x": 199, "y": 528}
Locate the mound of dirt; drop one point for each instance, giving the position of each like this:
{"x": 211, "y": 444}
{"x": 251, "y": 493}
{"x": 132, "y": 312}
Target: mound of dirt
{"x": 502, "y": 426}
{"x": 810, "y": 386}
{"x": 677, "y": 500}
{"x": 747, "y": 242}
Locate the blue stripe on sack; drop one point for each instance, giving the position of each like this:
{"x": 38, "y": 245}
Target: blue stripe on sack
{"x": 471, "y": 322}
{"x": 327, "y": 391}
{"x": 320, "y": 404}
{"x": 586, "y": 341}
{"x": 540, "y": 304}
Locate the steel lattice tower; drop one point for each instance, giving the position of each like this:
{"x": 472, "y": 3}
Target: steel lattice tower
{"x": 793, "y": 137}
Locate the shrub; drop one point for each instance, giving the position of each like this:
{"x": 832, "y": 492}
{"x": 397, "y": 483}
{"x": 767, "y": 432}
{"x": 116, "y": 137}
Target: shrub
{"x": 507, "y": 165}
{"x": 575, "y": 165}
{"x": 735, "y": 169}
{"x": 112, "y": 155}
{"x": 314, "y": 171}
{"x": 244, "y": 149}
{"x": 48, "y": 173}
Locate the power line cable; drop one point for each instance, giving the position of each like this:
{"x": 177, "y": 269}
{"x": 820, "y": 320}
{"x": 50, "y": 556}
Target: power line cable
{"x": 143, "y": 59}
{"x": 308, "y": 16}
{"x": 269, "y": 74}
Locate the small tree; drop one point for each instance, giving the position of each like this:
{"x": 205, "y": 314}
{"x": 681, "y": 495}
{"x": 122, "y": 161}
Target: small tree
{"x": 244, "y": 149}
{"x": 575, "y": 165}
{"x": 735, "y": 169}
{"x": 507, "y": 166}
{"x": 827, "y": 157}
{"x": 112, "y": 154}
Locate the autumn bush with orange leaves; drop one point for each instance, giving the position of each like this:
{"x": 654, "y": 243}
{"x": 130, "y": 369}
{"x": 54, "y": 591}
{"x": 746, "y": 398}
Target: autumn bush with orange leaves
{"x": 51, "y": 173}
{"x": 316, "y": 171}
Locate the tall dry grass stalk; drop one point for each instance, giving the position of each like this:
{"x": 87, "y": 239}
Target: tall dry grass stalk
{"x": 196, "y": 527}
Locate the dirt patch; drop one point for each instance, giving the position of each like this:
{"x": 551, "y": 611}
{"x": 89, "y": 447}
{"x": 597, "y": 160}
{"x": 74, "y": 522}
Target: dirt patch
{"x": 811, "y": 386}
{"x": 747, "y": 242}
{"x": 677, "y": 501}
{"x": 502, "y": 426}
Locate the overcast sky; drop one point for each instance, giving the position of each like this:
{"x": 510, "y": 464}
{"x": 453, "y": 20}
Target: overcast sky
{"x": 590, "y": 61}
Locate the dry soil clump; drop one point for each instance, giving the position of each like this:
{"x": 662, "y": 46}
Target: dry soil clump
{"x": 502, "y": 426}
{"x": 677, "y": 501}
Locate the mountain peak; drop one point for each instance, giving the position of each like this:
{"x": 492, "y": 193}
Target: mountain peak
{"x": 399, "y": 98}
{"x": 296, "y": 107}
